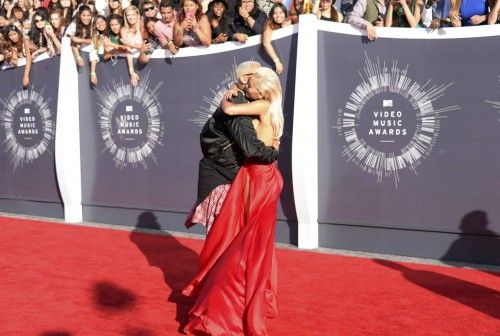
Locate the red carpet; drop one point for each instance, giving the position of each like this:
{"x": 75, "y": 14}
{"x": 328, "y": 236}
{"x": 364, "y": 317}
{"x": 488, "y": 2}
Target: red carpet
{"x": 65, "y": 280}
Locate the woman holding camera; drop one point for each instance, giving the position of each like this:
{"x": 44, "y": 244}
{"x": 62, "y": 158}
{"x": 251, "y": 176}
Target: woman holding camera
{"x": 192, "y": 28}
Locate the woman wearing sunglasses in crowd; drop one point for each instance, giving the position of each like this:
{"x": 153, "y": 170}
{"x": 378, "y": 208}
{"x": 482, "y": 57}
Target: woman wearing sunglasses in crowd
{"x": 42, "y": 37}
{"x": 149, "y": 9}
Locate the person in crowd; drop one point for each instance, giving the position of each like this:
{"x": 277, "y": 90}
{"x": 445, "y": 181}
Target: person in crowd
{"x": 115, "y": 24}
{"x": 91, "y": 4}
{"x": 36, "y": 4}
{"x": 296, "y": 9}
{"x": 18, "y": 13}
{"x": 368, "y": 14}
{"x": 112, "y": 46}
{"x": 149, "y": 9}
{"x": 76, "y": 5}
{"x": 102, "y": 7}
{"x": 266, "y": 5}
{"x": 3, "y": 45}
{"x": 132, "y": 36}
{"x": 99, "y": 34}
{"x": 278, "y": 18}
{"x": 54, "y": 6}
{"x": 249, "y": 21}
{"x": 440, "y": 11}
{"x": 67, "y": 13}
{"x": 4, "y": 21}
{"x": 115, "y": 7}
{"x": 17, "y": 23}
{"x": 219, "y": 21}
{"x": 471, "y": 13}
{"x": 404, "y": 13}
{"x": 79, "y": 31}
{"x": 238, "y": 260}
{"x": 192, "y": 28}
{"x": 56, "y": 21}
{"x": 25, "y": 6}
{"x": 164, "y": 28}
{"x": 149, "y": 36}
{"x": 325, "y": 10}
{"x": 53, "y": 3}
{"x": 495, "y": 9}
{"x": 7, "y": 6}
{"x": 18, "y": 48}
{"x": 42, "y": 37}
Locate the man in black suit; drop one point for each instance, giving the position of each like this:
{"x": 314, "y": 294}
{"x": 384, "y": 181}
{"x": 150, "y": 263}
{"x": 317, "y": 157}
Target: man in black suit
{"x": 226, "y": 142}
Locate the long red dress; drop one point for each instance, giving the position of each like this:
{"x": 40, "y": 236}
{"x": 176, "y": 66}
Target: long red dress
{"x": 237, "y": 278}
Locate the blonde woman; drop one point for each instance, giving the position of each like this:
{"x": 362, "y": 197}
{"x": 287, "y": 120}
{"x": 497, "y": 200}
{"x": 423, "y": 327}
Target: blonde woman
{"x": 238, "y": 260}
{"x": 132, "y": 37}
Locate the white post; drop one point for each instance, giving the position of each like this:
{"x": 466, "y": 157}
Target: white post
{"x": 67, "y": 144}
{"x": 305, "y": 133}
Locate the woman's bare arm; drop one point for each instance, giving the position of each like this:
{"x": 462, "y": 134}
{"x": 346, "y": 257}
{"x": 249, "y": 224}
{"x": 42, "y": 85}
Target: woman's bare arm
{"x": 255, "y": 108}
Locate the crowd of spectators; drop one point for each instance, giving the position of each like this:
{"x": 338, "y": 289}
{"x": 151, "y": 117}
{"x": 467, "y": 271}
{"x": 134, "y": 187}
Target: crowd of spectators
{"x": 107, "y": 28}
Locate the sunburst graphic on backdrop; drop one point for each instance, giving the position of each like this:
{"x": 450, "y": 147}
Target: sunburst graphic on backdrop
{"x": 211, "y": 103}
{"x": 28, "y": 123}
{"x": 389, "y": 123}
{"x": 495, "y": 104}
{"x": 130, "y": 121}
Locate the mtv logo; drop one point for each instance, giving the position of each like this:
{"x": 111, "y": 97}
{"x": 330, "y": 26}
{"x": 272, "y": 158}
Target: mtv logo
{"x": 27, "y": 111}
{"x": 387, "y": 103}
{"x": 129, "y": 108}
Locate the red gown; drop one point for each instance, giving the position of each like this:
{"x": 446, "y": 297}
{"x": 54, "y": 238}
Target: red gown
{"x": 237, "y": 278}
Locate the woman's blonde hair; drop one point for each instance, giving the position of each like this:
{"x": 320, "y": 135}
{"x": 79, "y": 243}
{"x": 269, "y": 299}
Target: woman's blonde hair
{"x": 127, "y": 26}
{"x": 268, "y": 84}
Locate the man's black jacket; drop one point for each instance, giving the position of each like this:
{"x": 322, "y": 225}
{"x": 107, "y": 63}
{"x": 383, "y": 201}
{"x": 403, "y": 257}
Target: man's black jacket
{"x": 226, "y": 141}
